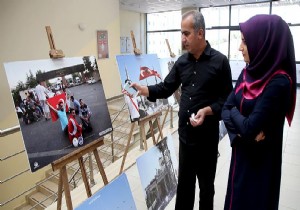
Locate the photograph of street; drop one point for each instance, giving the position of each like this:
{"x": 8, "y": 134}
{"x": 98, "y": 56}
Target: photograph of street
{"x": 60, "y": 105}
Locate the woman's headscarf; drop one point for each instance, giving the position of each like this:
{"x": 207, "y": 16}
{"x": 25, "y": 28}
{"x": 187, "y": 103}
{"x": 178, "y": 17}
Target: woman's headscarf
{"x": 271, "y": 51}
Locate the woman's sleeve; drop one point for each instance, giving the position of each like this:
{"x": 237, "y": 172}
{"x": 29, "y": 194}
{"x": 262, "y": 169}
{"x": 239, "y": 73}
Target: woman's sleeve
{"x": 229, "y": 104}
{"x": 227, "y": 119}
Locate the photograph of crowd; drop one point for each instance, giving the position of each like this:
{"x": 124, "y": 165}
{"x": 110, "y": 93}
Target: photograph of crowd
{"x": 60, "y": 104}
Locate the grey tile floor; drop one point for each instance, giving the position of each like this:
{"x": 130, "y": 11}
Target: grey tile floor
{"x": 290, "y": 182}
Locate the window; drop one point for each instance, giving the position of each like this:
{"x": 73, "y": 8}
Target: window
{"x": 163, "y": 21}
{"x": 156, "y": 43}
{"x": 166, "y": 25}
{"x": 218, "y": 39}
{"x": 296, "y": 36}
{"x": 287, "y": 10}
{"x": 162, "y": 26}
{"x": 216, "y": 16}
{"x": 241, "y": 13}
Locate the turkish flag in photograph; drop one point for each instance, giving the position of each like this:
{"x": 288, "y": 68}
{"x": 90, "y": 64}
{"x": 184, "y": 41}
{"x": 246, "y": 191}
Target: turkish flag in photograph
{"x": 53, "y": 101}
{"x": 156, "y": 74}
{"x": 147, "y": 72}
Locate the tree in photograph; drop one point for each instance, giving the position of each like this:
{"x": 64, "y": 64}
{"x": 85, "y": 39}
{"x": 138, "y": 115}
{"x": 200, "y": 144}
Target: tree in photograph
{"x": 30, "y": 80}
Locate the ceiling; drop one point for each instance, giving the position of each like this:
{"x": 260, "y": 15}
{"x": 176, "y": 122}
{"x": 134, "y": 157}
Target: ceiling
{"x": 152, "y": 6}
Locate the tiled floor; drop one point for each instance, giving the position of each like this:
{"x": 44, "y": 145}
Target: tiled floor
{"x": 290, "y": 182}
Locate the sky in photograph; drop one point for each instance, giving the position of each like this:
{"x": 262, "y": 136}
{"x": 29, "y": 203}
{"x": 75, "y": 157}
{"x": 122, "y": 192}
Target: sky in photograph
{"x": 18, "y": 70}
{"x": 114, "y": 196}
{"x": 148, "y": 162}
{"x": 133, "y": 63}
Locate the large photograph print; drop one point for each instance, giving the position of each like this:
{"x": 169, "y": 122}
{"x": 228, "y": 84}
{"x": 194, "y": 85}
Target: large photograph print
{"x": 158, "y": 170}
{"x": 145, "y": 70}
{"x": 60, "y": 105}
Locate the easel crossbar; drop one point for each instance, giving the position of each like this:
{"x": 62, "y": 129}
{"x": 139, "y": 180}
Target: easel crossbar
{"x": 58, "y": 164}
{"x": 141, "y": 123}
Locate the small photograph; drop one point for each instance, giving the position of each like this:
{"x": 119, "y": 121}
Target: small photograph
{"x": 60, "y": 104}
{"x": 114, "y": 196}
{"x": 102, "y": 44}
{"x": 145, "y": 70}
{"x": 158, "y": 170}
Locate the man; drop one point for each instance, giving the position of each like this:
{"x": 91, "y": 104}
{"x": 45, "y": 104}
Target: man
{"x": 205, "y": 78}
{"x": 41, "y": 93}
{"x": 75, "y": 104}
{"x": 74, "y": 129}
{"x": 85, "y": 115}
{"x": 62, "y": 115}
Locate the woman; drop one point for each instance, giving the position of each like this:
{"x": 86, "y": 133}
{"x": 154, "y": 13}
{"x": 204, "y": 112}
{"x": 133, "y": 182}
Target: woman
{"x": 255, "y": 111}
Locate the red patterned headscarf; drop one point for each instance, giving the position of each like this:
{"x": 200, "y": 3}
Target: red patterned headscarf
{"x": 271, "y": 51}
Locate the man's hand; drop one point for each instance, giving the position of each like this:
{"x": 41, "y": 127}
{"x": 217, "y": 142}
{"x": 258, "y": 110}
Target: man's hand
{"x": 198, "y": 119}
{"x": 142, "y": 90}
{"x": 261, "y": 136}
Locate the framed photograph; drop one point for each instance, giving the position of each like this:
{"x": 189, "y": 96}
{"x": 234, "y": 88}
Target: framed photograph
{"x": 145, "y": 70}
{"x": 116, "y": 195}
{"x": 60, "y": 104}
{"x": 158, "y": 170}
{"x": 102, "y": 44}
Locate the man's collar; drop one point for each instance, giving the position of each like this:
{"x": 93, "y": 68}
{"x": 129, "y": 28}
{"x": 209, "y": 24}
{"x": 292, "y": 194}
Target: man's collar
{"x": 206, "y": 52}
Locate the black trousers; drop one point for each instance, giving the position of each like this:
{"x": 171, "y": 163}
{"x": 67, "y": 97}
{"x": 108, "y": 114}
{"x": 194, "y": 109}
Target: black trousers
{"x": 196, "y": 161}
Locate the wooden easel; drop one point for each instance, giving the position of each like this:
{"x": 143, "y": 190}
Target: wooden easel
{"x": 53, "y": 53}
{"x": 169, "y": 48}
{"x": 148, "y": 119}
{"x": 136, "y": 51}
{"x": 172, "y": 55}
{"x": 78, "y": 154}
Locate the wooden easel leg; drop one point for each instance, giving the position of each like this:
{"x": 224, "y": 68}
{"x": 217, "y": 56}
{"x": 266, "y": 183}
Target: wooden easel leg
{"x": 100, "y": 166}
{"x": 112, "y": 147}
{"x": 66, "y": 187}
{"x": 165, "y": 117}
{"x": 127, "y": 147}
{"x": 59, "y": 193}
{"x": 152, "y": 132}
{"x": 171, "y": 116}
{"x": 84, "y": 177}
{"x": 160, "y": 129}
{"x": 143, "y": 135}
{"x": 91, "y": 169}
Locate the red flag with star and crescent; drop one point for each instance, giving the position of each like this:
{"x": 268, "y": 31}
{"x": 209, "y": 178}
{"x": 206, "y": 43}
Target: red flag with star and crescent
{"x": 147, "y": 72}
{"x": 54, "y": 102}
